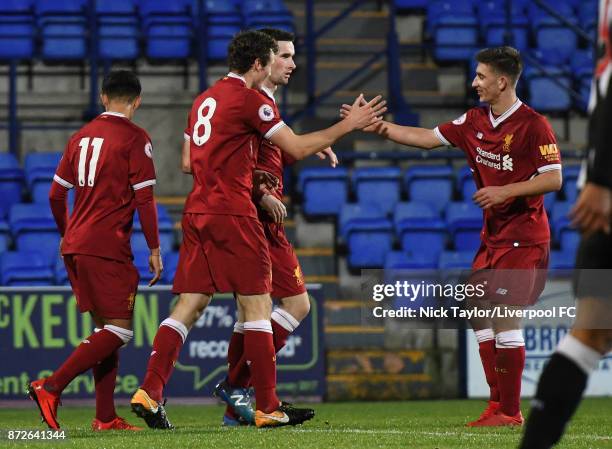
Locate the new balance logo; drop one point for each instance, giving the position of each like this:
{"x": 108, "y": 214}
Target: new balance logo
{"x": 85, "y": 341}
{"x": 479, "y": 135}
{"x": 501, "y": 291}
{"x": 507, "y": 163}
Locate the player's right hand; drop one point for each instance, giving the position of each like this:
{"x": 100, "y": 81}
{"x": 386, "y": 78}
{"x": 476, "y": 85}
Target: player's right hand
{"x": 156, "y": 266}
{"x": 364, "y": 114}
{"x": 274, "y": 207}
{"x": 377, "y": 127}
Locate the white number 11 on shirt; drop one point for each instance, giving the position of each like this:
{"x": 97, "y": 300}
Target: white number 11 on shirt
{"x": 96, "y": 143}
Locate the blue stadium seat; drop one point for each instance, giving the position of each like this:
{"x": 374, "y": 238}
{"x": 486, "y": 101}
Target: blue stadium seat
{"x": 30, "y": 218}
{"x": 464, "y": 223}
{"x": 450, "y": 260}
{"x": 24, "y": 268}
{"x": 325, "y": 190}
{"x": 538, "y": 18}
{"x": 465, "y": 183}
{"x": 168, "y": 29}
{"x": 587, "y": 14}
{"x": 378, "y": 185}
{"x": 411, "y": 4}
{"x": 562, "y": 260}
{"x": 62, "y": 25}
{"x": 219, "y": 37}
{"x": 413, "y": 210}
{"x": 46, "y": 243}
{"x": 560, "y": 41}
{"x": 170, "y": 264}
{"x": 5, "y": 236}
{"x": 549, "y": 201}
{"x": 545, "y": 94}
{"x": 367, "y": 233}
{"x": 17, "y": 29}
{"x": 61, "y": 275}
{"x": 141, "y": 262}
{"x": 563, "y": 233}
{"x": 41, "y": 167}
{"x": 570, "y": 178}
{"x": 425, "y": 238}
{"x": 400, "y": 260}
{"x": 118, "y": 29}
{"x": 11, "y": 182}
{"x": 369, "y": 242}
{"x": 454, "y": 28}
{"x": 431, "y": 184}
{"x": 492, "y": 19}
{"x": 267, "y": 14}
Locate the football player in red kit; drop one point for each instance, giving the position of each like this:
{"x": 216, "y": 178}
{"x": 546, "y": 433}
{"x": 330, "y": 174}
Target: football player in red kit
{"x": 514, "y": 158}
{"x": 109, "y": 164}
{"x": 224, "y": 248}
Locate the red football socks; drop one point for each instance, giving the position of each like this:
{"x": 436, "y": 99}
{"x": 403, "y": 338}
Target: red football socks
{"x": 105, "y": 376}
{"x": 166, "y": 347}
{"x": 261, "y": 358}
{"x": 98, "y": 346}
{"x": 487, "y": 356}
{"x": 283, "y": 324}
{"x": 510, "y": 363}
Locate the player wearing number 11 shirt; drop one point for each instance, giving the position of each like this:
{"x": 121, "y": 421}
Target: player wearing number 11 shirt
{"x": 224, "y": 248}
{"x": 109, "y": 164}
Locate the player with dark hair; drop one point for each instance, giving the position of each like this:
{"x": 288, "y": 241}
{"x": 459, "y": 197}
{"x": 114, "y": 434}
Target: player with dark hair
{"x": 109, "y": 164}
{"x": 513, "y": 155}
{"x": 565, "y": 376}
{"x": 287, "y": 278}
{"x": 224, "y": 247}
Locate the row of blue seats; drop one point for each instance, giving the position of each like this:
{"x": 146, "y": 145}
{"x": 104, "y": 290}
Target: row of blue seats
{"x": 369, "y": 235}
{"x": 32, "y": 227}
{"x": 462, "y": 260}
{"x": 59, "y": 30}
{"x": 326, "y": 190}
{"x": 30, "y": 268}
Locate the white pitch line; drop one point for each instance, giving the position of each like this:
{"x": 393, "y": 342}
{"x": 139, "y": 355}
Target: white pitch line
{"x": 439, "y": 434}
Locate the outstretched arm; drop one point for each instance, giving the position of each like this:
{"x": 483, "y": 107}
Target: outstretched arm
{"x": 301, "y": 146}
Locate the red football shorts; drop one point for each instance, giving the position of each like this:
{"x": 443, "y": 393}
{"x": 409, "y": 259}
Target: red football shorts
{"x": 105, "y": 287}
{"x": 287, "y": 276}
{"x": 223, "y": 254}
{"x": 513, "y": 276}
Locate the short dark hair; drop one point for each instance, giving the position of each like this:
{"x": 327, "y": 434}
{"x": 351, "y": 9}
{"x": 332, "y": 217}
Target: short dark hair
{"x": 505, "y": 60}
{"x": 121, "y": 84}
{"x": 278, "y": 35}
{"x": 248, "y": 46}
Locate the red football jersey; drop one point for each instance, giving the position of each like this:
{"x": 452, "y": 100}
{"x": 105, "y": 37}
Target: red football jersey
{"x": 105, "y": 161}
{"x": 513, "y": 147}
{"x": 225, "y": 128}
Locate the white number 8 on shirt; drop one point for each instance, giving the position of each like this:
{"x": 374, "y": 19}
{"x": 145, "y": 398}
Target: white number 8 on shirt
{"x": 204, "y": 121}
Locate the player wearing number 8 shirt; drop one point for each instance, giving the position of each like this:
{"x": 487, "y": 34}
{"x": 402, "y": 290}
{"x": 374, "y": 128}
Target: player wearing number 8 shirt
{"x": 109, "y": 164}
{"x": 224, "y": 248}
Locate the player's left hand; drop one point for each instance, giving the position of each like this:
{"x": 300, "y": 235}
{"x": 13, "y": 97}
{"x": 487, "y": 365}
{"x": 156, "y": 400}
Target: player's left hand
{"x": 264, "y": 180}
{"x": 156, "y": 266}
{"x": 490, "y": 196}
{"x": 274, "y": 207}
{"x": 328, "y": 152}
{"x": 593, "y": 209}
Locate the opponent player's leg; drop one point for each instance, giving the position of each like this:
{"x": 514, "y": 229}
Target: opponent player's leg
{"x": 169, "y": 339}
{"x": 565, "y": 376}
{"x": 261, "y": 358}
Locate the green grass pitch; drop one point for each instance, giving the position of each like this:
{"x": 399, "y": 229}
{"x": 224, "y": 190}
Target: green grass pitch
{"x": 354, "y": 425}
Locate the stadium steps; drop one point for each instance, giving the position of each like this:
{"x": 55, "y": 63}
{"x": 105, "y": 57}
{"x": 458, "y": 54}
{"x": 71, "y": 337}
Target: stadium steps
{"x": 317, "y": 261}
{"x": 378, "y": 387}
{"x": 329, "y": 284}
{"x": 354, "y": 337}
{"x": 376, "y": 362}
